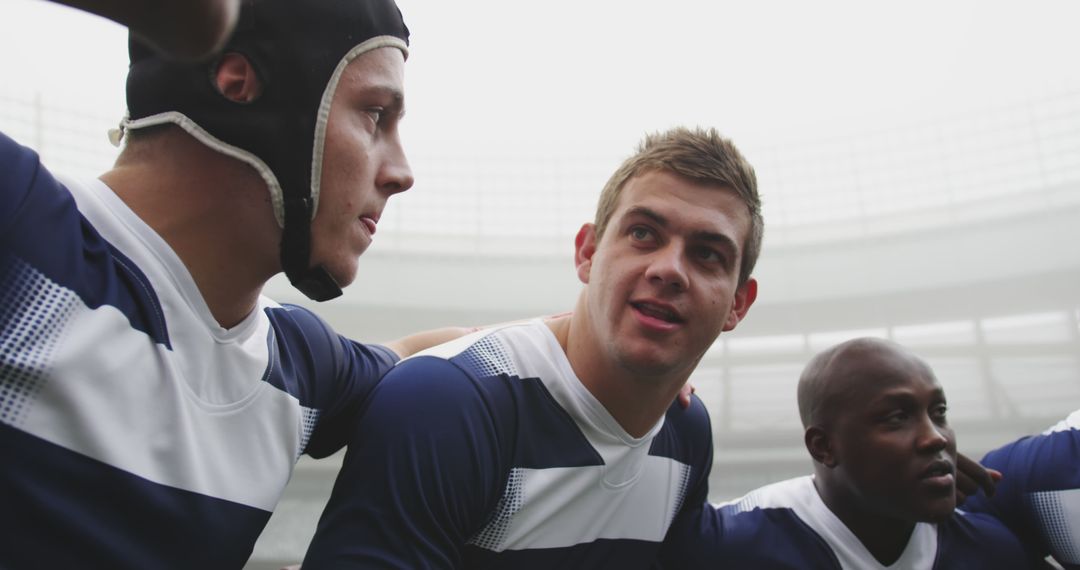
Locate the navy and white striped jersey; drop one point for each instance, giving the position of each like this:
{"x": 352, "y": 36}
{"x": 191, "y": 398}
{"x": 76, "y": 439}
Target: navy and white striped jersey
{"x": 135, "y": 431}
{"x": 1039, "y": 497}
{"x": 786, "y": 526}
{"x": 507, "y": 461}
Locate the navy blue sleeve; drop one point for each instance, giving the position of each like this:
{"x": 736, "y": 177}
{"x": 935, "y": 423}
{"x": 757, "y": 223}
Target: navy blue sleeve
{"x": 687, "y": 435}
{"x": 423, "y": 469}
{"x": 705, "y": 537}
{"x": 976, "y": 540}
{"x": 19, "y": 167}
{"x": 43, "y": 235}
{"x": 363, "y": 366}
{"x": 326, "y": 372}
{"x": 1039, "y": 496}
{"x": 727, "y": 537}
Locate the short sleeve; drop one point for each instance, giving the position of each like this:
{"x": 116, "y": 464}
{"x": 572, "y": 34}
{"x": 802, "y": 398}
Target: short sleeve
{"x": 19, "y": 168}
{"x": 1039, "y": 496}
{"x": 332, "y": 376}
{"x": 423, "y": 469}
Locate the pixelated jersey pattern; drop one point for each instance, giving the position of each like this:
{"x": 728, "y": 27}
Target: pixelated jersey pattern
{"x": 493, "y": 535}
{"x": 33, "y": 310}
{"x": 489, "y": 357}
{"x": 309, "y": 421}
{"x": 1057, "y": 527}
{"x": 684, "y": 488}
{"x": 748, "y": 503}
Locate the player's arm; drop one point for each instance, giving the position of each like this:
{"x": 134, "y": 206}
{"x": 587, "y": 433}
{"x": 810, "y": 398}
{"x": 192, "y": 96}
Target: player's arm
{"x": 19, "y": 169}
{"x": 411, "y": 344}
{"x": 1039, "y": 494}
{"x": 185, "y": 30}
{"x": 692, "y": 540}
{"x": 421, "y": 472}
{"x": 348, "y": 372}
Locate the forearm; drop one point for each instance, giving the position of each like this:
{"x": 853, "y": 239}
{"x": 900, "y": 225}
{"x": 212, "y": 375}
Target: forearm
{"x": 185, "y": 30}
{"x": 411, "y": 344}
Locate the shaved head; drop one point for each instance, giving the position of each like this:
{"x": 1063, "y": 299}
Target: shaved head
{"x": 828, "y": 380}
{"x": 875, "y": 424}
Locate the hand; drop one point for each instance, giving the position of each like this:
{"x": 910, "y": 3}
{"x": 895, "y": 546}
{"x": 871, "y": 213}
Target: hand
{"x": 684, "y": 395}
{"x": 971, "y": 476}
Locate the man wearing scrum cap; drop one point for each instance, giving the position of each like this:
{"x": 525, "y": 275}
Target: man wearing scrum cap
{"x": 152, "y": 402}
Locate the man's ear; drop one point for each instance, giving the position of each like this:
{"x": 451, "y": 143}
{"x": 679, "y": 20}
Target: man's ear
{"x": 236, "y": 79}
{"x": 745, "y": 296}
{"x": 820, "y": 446}
{"x": 584, "y": 248}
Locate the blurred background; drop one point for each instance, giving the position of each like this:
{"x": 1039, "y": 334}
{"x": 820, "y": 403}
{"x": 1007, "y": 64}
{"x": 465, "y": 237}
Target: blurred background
{"x": 919, "y": 163}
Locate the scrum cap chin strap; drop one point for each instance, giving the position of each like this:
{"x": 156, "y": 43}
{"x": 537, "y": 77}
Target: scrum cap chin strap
{"x": 298, "y": 49}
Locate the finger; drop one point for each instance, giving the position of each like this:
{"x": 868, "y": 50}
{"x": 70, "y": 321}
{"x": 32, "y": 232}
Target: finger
{"x": 684, "y": 395}
{"x": 974, "y": 476}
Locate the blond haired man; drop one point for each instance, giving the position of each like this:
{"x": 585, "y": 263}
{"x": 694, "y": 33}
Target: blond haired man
{"x": 557, "y": 444}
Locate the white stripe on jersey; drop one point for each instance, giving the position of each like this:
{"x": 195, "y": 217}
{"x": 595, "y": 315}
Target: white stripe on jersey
{"x": 633, "y": 495}
{"x": 110, "y": 392}
{"x": 566, "y": 506}
{"x": 83, "y": 403}
{"x": 1070, "y": 422}
{"x": 800, "y": 496}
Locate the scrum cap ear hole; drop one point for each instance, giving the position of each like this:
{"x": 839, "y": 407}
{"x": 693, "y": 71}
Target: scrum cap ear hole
{"x": 236, "y": 80}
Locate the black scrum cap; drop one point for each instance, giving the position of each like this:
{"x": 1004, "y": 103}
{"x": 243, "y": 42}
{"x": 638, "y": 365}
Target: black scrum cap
{"x": 298, "y": 49}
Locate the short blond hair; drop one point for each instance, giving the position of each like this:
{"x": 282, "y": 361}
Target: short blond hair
{"x": 700, "y": 155}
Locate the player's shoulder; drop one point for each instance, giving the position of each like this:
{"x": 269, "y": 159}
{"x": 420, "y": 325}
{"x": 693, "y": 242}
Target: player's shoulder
{"x": 774, "y": 526}
{"x": 786, "y": 494}
{"x": 297, "y": 328}
{"x": 686, "y": 436}
{"x": 1045, "y": 461}
{"x": 315, "y": 353}
{"x": 512, "y": 350}
{"x": 690, "y": 424}
{"x": 694, "y": 416}
{"x": 485, "y": 368}
{"x": 16, "y": 156}
{"x": 21, "y": 172}
{"x": 975, "y": 523}
{"x": 296, "y": 318}
{"x": 968, "y": 535}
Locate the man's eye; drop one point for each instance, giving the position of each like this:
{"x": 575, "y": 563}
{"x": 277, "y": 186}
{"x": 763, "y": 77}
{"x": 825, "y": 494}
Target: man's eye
{"x": 896, "y": 418}
{"x": 709, "y": 255}
{"x": 376, "y": 114}
{"x": 640, "y": 233}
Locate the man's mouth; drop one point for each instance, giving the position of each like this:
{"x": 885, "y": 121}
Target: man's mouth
{"x": 369, "y": 223}
{"x": 656, "y": 311}
{"x": 939, "y": 472}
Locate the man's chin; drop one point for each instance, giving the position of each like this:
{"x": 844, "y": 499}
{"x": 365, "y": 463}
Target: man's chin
{"x": 938, "y": 512}
{"x": 343, "y": 273}
{"x": 650, "y": 364}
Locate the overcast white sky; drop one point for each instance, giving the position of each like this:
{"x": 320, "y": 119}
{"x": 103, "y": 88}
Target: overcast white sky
{"x": 567, "y": 72}
{"x": 583, "y": 79}
{"x": 569, "y": 68}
